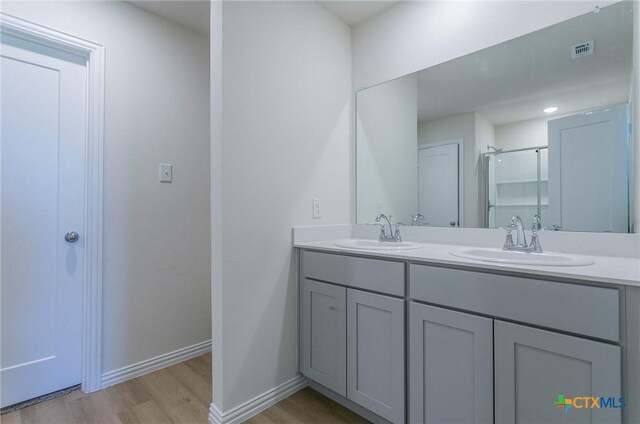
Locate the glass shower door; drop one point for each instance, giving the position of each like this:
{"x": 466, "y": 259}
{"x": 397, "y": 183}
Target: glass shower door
{"x": 518, "y": 186}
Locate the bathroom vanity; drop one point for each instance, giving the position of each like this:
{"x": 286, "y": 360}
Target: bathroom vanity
{"x": 464, "y": 331}
{"x": 423, "y": 336}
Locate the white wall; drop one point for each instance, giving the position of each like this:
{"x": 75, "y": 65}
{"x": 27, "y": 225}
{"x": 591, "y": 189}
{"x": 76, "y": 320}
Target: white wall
{"x": 522, "y": 134}
{"x": 414, "y": 35}
{"x": 387, "y": 126}
{"x": 635, "y": 110}
{"x": 446, "y": 129}
{"x": 215, "y": 122}
{"x": 281, "y": 125}
{"x": 529, "y": 133}
{"x": 156, "y": 236}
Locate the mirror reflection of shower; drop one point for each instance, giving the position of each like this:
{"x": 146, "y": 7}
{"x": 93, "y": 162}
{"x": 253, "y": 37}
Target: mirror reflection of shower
{"x": 577, "y": 181}
{"x": 516, "y": 183}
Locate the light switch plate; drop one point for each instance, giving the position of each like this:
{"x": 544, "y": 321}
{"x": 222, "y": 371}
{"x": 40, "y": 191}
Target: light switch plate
{"x": 166, "y": 173}
{"x": 316, "y": 209}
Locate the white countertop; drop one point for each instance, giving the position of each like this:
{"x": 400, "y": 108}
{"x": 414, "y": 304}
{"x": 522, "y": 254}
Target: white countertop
{"x": 606, "y": 269}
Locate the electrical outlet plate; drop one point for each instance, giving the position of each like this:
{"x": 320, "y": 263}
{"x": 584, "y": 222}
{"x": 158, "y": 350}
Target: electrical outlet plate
{"x": 316, "y": 209}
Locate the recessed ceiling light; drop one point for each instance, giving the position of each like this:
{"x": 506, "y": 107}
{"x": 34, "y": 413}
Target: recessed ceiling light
{"x": 550, "y": 109}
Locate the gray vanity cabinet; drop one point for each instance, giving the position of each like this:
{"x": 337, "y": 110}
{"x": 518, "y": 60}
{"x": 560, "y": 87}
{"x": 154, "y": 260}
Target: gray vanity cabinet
{"x": 451, "y": 366}
{"x": 376, "y": 353}
{"x": 324, "y": 334}
{"x": 533, "y": 367}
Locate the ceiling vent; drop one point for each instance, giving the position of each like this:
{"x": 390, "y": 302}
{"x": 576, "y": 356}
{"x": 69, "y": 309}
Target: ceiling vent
{"x": 582, "y": 49}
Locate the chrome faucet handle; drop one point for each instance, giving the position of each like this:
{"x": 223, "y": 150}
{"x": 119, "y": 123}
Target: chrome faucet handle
{"x": 383, "y": 233}
{"x": 508, "y": 243}
{"x": 534, "y": 246}
{"x": 396, "y": 236}
{"x": 535, "y": 242}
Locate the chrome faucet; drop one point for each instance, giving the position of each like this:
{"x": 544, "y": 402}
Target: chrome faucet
{"x": 521, "y": 240}
{"x": 537, "y": 222}
{"x": 415, "y": 219}
{"x": 394, "y": 231}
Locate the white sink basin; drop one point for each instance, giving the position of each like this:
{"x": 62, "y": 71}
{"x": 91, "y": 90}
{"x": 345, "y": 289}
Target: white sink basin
{"x": 377, "y": 245}
{"x": 523, "y": 258}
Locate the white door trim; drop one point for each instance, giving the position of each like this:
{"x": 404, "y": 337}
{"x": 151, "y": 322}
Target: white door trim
{"x": 95, "y": 54}
{"x": 460, "y": 143}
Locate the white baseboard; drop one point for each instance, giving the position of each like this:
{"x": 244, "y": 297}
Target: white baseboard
{"x": 258, "y": 404}
{"x": 153, "y": 364}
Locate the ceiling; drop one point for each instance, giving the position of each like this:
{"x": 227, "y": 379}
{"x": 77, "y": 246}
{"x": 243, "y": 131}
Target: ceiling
{"x": 353, "y": 12}
{"x": 515, "y": 80}
{"x": 192, "y": 14}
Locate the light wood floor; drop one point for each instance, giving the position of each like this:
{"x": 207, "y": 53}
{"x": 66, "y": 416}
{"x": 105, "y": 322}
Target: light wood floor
{"x": 177, "y": 394}
{"x": 307, "y": 406}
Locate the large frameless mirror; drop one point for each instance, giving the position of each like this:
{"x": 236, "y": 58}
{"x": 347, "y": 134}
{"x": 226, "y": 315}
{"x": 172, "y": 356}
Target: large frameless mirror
{"x": 538, "y": 125}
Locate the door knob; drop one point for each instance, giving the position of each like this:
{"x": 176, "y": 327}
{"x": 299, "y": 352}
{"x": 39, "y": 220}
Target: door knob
{"x": 452, "y": 223}
{"x": 71, "y": 237}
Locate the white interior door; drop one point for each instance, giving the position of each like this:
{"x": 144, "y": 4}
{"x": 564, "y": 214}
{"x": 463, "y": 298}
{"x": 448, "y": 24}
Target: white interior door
{"x": 42, "y": 148}
{"x": 438, "y": 185}
{"x": 588, "y": 171}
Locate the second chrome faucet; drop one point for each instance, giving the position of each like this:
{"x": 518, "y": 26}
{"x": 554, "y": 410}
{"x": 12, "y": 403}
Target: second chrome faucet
{"x": 520, "y": 244}
{"x": 393, "y": 233}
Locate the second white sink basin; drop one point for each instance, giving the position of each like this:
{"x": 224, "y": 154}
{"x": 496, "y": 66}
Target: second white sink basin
{"x": 523, "y": 258}
{"x": 357, "y": 244}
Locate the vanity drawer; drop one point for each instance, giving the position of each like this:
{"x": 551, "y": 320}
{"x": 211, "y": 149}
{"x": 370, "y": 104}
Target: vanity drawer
{"x": 363, "y": 273}
{"x": 588, "y": 310}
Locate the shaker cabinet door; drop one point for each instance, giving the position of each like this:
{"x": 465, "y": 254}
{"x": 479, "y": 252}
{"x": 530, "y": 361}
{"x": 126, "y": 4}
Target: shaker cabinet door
{"x": 450, "y": 366}
{"x": 376, "y": 354}
{"x": 324, "y": 339}
{"x": 540, "y": 376}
